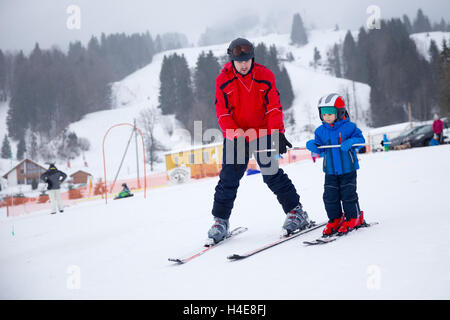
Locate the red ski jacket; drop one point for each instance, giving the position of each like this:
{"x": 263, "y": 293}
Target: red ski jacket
{"x": 248, "y": 102}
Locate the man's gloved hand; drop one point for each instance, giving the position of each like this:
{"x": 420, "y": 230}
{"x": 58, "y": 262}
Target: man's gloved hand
{"x": 311, "y": 145}
{"x": 281, "y": 142}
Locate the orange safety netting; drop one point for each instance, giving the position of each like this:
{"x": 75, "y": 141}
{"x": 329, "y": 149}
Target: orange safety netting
{"x": 16, "y": 206}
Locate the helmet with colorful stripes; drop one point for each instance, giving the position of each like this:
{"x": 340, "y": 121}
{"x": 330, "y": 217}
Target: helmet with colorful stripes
{"x": 333, "y": 103}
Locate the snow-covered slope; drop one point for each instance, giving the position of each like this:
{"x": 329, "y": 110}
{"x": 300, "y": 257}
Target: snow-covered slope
{"x": 423, "y": 41}
{"x": 120, "y": 250}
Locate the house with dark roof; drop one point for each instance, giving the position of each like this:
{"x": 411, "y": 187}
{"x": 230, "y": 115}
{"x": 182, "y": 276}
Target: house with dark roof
{"x": 24, "y": 173}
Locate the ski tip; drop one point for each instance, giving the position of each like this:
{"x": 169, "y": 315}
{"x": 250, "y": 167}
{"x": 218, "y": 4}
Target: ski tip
{"x": 179, "y": 261}
{"x": 235, "y": 257}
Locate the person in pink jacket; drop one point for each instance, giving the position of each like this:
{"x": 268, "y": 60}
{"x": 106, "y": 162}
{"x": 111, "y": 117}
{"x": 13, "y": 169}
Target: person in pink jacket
{"x": 438, "y": 127}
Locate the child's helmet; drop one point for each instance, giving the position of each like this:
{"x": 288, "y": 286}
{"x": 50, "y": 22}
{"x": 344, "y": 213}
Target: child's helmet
{"x": 333, "y": 100}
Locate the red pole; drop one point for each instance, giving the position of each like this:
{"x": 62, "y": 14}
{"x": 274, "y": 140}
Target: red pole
{"x": 104, "y": 160}
{"x": 7, "y": 206}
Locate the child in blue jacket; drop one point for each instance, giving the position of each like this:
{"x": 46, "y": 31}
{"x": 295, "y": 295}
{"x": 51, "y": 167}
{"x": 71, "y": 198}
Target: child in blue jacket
{"x": 339, "y": 164}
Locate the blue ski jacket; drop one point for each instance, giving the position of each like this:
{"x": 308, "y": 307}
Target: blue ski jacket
{"x": 341, "y": 160}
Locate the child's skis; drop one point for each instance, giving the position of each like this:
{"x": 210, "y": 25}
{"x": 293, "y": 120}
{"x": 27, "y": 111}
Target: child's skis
{"x": 334, "y": 237}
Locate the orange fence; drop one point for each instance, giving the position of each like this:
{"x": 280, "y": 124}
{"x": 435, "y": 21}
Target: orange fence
{"x": 19, "y": 205}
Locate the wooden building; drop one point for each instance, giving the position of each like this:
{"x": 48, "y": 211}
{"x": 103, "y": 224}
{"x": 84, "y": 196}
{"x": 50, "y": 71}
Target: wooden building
{"x": 24, "y": 173}
{"x": 80, "y": 177}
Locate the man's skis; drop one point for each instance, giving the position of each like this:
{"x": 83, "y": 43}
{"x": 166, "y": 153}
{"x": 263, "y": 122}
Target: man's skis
{"x": 275, "y": 243}
{"x": 334, "y": 237}
{"x": 206, "y": 248}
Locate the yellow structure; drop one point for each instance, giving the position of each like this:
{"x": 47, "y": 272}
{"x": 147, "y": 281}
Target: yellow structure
{"x": 204, "y": 161}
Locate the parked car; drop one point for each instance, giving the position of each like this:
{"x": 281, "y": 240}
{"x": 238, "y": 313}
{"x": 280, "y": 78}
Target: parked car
{"x": 421, "y": 137}
{"x": 446, "y": 133}
{"x": 401, "y": 142}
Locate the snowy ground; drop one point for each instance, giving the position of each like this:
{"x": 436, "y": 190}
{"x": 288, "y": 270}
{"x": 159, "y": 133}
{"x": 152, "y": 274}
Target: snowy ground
{"x": 120, "y": 250}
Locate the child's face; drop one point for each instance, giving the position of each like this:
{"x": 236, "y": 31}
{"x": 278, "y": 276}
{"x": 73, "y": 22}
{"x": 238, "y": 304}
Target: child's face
{"x": 329, "y": 118}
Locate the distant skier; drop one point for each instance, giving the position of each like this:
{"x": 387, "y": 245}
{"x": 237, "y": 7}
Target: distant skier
{"x": 53, "y": 177}
{"x": 438, "y": 127}
{"x": 385, "y": 142}
{"x": 124, "y": 193}
{"x": 251, "y": 117}
{"x": 339, "y": 164}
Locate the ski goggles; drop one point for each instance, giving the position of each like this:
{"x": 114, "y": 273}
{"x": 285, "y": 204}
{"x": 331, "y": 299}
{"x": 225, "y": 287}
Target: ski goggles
{"x": 328, "y": 110}
{"x": 241, "y": 49}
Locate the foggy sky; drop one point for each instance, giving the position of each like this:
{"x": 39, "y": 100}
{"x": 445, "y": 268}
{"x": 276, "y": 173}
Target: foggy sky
{"x": 25, "y": 22}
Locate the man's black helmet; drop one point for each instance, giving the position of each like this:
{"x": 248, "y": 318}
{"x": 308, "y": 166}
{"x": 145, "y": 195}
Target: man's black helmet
{"x": 241, "y": 50}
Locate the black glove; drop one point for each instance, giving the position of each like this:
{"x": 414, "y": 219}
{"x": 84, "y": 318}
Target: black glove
{"x": 281, "y": 143}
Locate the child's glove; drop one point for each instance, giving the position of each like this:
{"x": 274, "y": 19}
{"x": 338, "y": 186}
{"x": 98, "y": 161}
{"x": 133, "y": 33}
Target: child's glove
{"x": 311, "y": 145}
{"x": 347, "y": 144}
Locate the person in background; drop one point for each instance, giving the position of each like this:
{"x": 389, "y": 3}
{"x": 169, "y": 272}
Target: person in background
{"x": 385, "y": 142}
{"x": 438, "y": 127}
{"x": 53, "y": 177}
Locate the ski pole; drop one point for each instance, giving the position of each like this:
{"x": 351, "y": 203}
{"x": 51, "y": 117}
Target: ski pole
{"x": 338, "y": 146}
{"x": 321, "y": 147}
{"x": 273, "y": 150}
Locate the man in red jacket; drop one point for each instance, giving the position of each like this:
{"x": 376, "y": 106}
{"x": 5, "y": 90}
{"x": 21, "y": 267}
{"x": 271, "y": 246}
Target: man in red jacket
{"x": 438, "y": 127}
{"x": 251, "y": 118}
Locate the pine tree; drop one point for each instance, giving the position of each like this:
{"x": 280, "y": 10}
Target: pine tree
{"x": 176, "y": 93}
{"x": 183, "y": 91}
{"x": 3, "y": 77}
{"x": 407, "y": 24}
{"x": 167, "y": 98}
{"x": 269, "y": 58}
{"x": 421, "y": 23}
{"x": 261, "y": 54}
{"x": 298, "y": 32}
{"x": 349, "y": 54}
{"x": 21, "y": 149}
{"x": 284, "y": 86}
{"x": 317, "y": 57}
{"x": 334, "y": 61}
{"x": 435, "y": 71}
{"x": 17, "y": 118}
{"x": 206, "y": 71}
{"x": 6, "y": 148}
{"x": 444, "y": 89}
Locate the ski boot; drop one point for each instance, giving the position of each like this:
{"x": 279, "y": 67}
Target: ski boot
{"x": 296, "y": 219}
{"x": 218, "y": 231}
{"x": 351, "y": 224}
{"x": 333, "y": 226}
